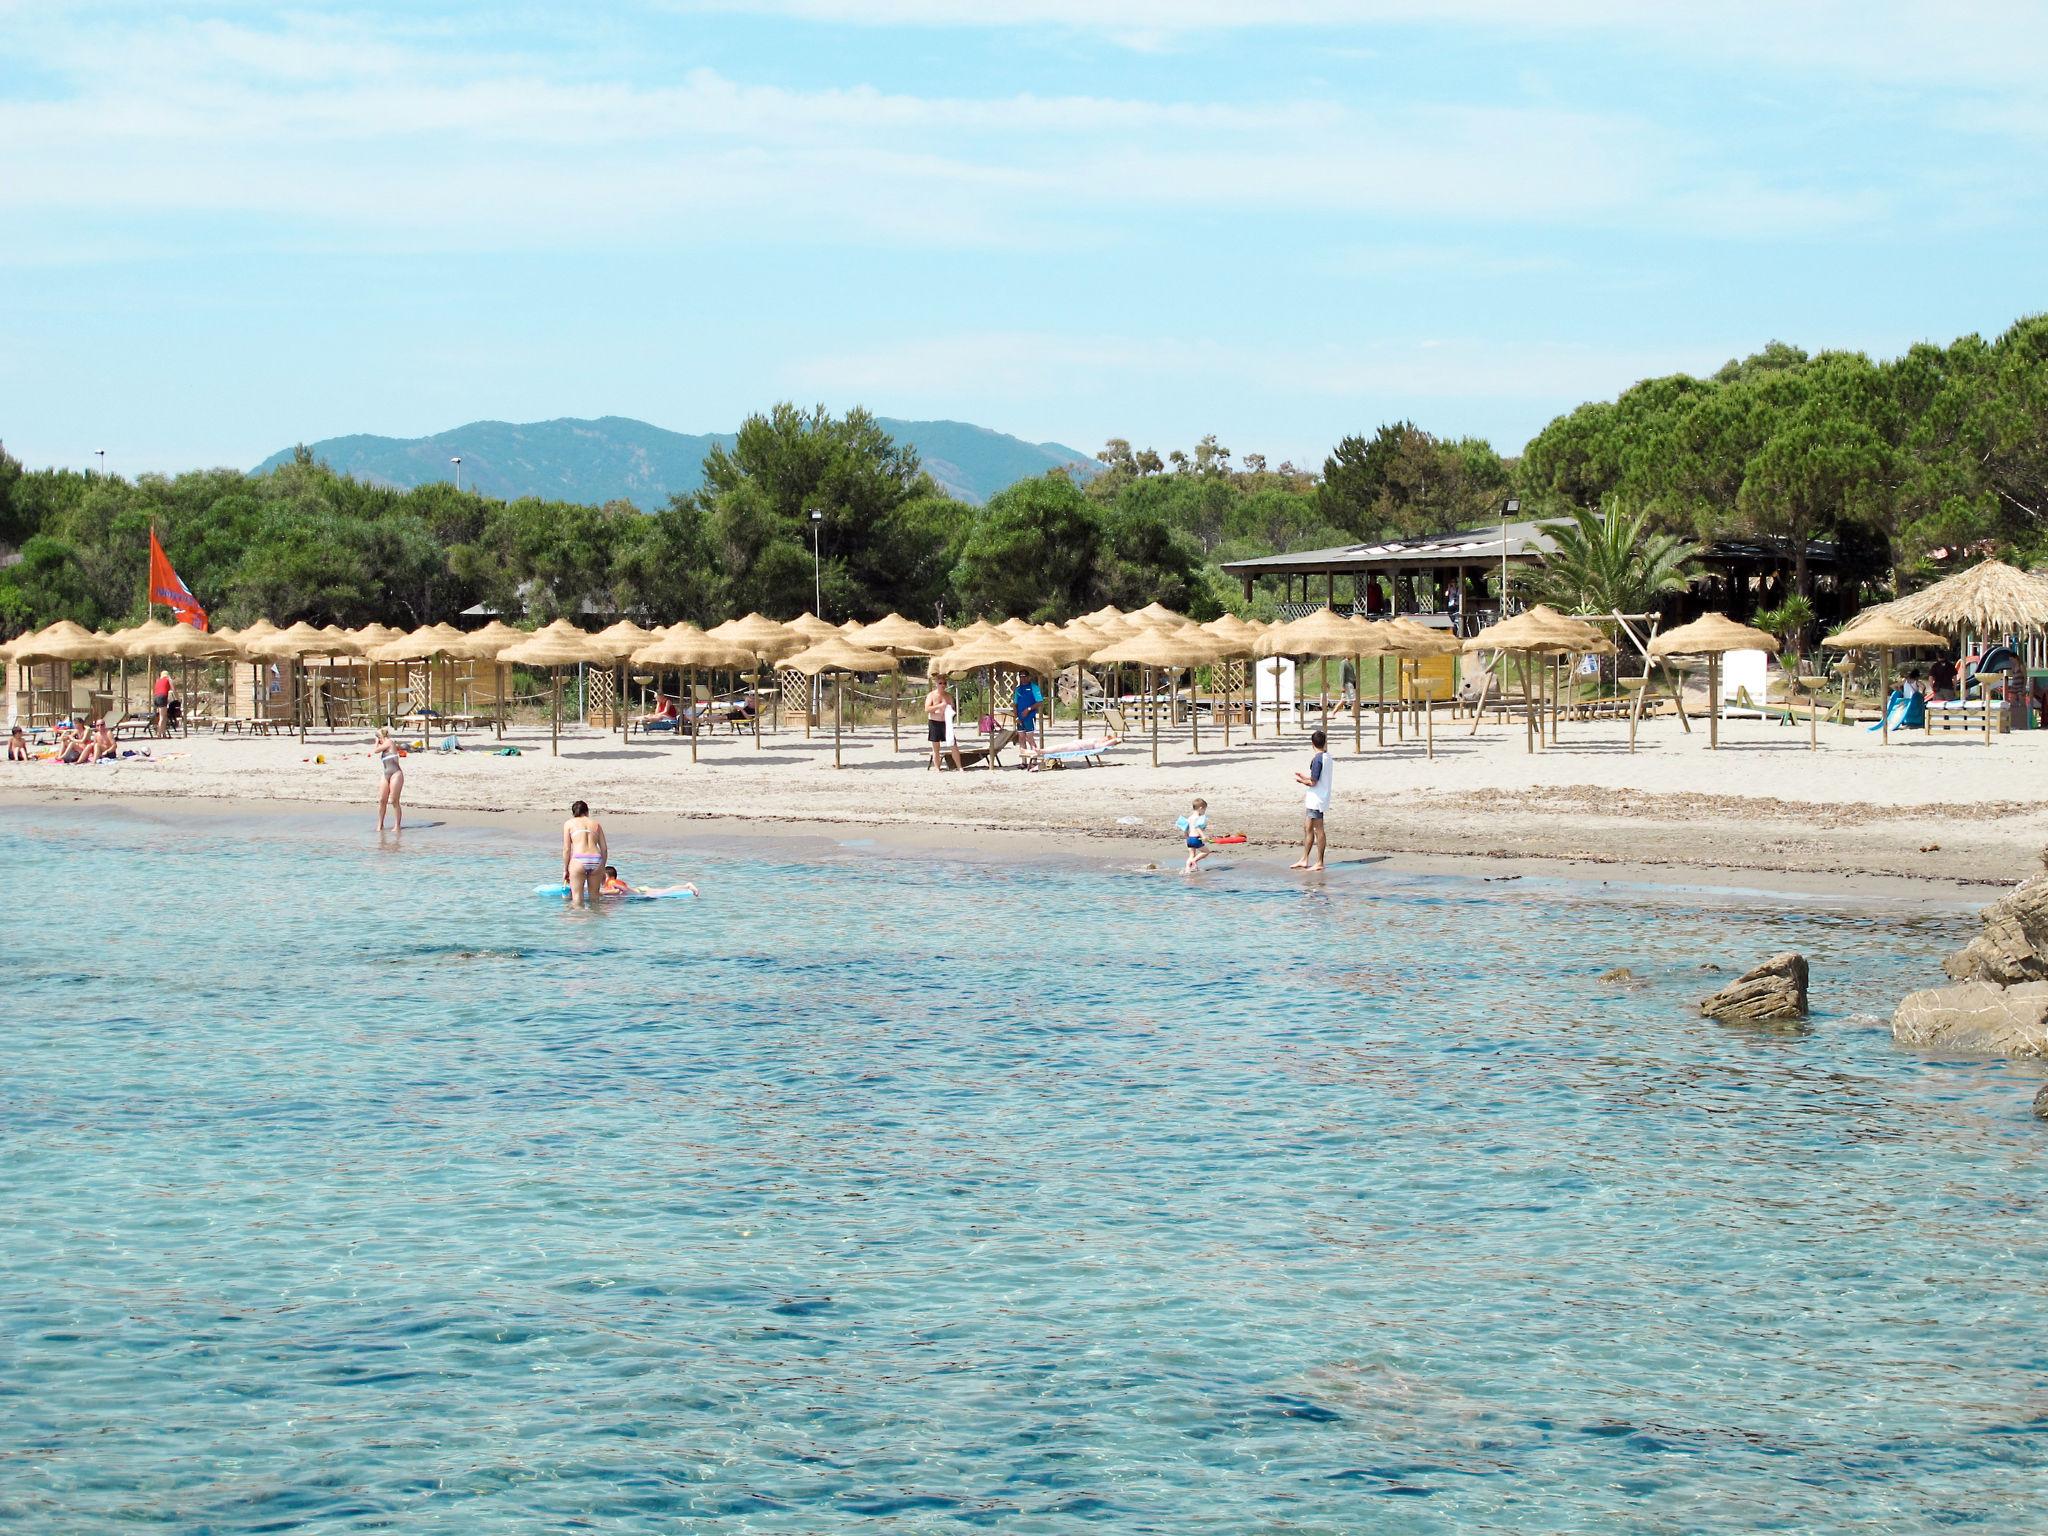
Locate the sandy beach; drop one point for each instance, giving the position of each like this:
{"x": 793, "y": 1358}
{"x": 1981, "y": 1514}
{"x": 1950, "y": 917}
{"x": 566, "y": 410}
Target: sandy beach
{"x": 1947, "y": 810}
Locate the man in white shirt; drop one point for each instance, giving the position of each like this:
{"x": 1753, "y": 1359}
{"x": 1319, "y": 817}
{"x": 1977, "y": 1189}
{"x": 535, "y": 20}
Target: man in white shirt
{"x": 1315, "y": 835}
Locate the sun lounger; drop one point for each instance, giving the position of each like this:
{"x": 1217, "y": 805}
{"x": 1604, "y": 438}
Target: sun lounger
{"x": 120, "y": 725}
{"x": 1080, "y": 754}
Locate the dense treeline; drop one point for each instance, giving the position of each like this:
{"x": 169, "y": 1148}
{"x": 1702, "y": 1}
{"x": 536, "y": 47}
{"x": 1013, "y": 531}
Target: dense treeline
{"x": 1904, "y": 462}
{"x": 1940, "y": 451}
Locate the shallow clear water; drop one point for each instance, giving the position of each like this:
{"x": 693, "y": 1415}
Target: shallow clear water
{"x": 353, "y": 1188}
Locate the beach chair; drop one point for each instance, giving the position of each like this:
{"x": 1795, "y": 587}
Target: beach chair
{"x": 987, "y": 753}
{"x": 1082, "y": 754}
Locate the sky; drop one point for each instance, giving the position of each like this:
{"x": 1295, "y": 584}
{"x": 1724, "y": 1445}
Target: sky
{"x": 225, "y": 228}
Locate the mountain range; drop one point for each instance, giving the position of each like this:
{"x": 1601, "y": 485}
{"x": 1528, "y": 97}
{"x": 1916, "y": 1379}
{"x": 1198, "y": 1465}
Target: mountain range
{"x": 618, "y": 458}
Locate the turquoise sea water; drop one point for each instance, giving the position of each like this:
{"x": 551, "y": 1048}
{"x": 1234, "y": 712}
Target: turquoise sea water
{"x": 352, "y": 1188}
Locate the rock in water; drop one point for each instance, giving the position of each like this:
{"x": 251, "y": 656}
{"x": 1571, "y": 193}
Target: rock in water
{"x": 1978, "y": 1018}
{"x": 2014, "y": 944}
{"x": 1774, "y": 991}
{"x": 2041, "y": 1102}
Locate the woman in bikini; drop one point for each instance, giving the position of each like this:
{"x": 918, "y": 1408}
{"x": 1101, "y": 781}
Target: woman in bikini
{"x": 391, "y": 785}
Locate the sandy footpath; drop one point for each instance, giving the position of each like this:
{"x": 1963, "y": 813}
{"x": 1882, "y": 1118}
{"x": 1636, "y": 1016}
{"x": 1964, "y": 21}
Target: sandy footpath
{"x": 1943, "y": 809}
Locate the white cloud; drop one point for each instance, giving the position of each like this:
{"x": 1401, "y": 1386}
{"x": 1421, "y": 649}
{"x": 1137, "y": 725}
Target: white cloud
{"x": 1966, "y": 42}
{"x": 329, "y": 126}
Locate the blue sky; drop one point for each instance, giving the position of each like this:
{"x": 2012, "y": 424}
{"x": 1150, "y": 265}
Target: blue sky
{"x": 230, "y": 227}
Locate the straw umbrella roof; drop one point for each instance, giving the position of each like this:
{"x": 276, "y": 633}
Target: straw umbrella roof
{"x": 974, "y": 631}
{"x": 1882, "y": 633}
{"x": 1322, "y": 633}
{"x": 1187, "y": 646}
{"x": 1987, "y": 599}
{"x": 838, "y": 654}
{"x": 1158, "y": 614}
{"x": 184, "y": 643}
{"x": 1711, "y": 635}
{"x": 688, "y": 646}
{"x": 622, "y": 639}
{"x": 482, "y": 644}
{"x": 344, "y": 641}
{"x": 421, "y": 645}
{"x": 900, "y": 637}
{"x": 1526, "y": 631}
{"x": 1015, "y": 626}
{"x": 1029, "y": 652}
{"x": 1230, "y": 627}
{"x": 134, "y": 641}
{"x": 302, "y": 639}
{"x": 813, "y": 628}
{"x": 760, "y": 636}
{"x": 371, "y": 636}
{"x": 560, "y": 644}
{"x": 1572, "y": 634}
{"x": 1405, "y": 637}
{"x": 1107, "y": 613}
{"x": 253, "y": 631}
{"x": 66, "y": 641}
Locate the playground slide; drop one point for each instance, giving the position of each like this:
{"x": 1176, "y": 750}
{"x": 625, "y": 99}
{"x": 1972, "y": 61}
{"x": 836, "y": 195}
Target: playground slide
{"x": 1902, "y": 713}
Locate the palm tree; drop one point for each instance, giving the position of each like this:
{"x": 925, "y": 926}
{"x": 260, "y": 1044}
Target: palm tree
{"x": 1609, "y": 562}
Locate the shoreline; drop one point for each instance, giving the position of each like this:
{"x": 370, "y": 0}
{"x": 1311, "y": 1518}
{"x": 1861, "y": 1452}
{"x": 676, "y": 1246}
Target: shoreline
{"x": 1901, "y": 894}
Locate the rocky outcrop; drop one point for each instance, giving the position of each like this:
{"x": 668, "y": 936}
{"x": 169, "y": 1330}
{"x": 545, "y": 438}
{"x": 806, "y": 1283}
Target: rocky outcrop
{"x": 1775, "y": 992}
{"x": 1977, "y": 1018}
{"x": 2013, "y": 947}
{"x": 2041, "y": 1102}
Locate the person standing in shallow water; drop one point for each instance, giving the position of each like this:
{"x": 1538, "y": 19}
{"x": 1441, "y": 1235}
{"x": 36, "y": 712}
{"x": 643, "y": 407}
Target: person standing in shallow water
{"x": 1315, "y": 831}
{"x": 584, "y": 855}
{"x": 391, "y": 770}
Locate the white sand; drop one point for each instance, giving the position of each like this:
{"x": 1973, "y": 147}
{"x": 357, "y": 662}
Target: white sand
{"x": 1944, "y": 808}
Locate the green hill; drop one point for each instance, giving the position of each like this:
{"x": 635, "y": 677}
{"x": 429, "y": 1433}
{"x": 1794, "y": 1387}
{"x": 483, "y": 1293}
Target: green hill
{"x": 618, "y": 458}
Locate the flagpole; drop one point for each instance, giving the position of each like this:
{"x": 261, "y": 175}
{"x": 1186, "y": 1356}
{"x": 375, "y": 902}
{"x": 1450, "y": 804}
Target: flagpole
{"x": 148, "y": 608}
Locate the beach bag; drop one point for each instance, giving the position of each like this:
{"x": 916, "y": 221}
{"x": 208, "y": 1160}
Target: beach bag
{"x": 988, "y": 725}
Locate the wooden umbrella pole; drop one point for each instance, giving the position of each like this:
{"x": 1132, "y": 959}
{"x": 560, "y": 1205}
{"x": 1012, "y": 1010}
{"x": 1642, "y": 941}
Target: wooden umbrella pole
{"x": 838, "y": 712}
{"x": 1357, "y": 705}
{"x": 554, "y": 711}
{"x": 1229, "y": 704}
{"x": 1528, "y": 705}
{"x": 1379, "y": 710}
{"x": 1714, "y": 700}
{"x": 1884, "y": 695}
{"x": 1150, "y": 688}
{"x": 690, "y": 693}
{"x": 895, "y": 711}
{"x": 1429, "y": 727}
{"x": 1195, "y": 711}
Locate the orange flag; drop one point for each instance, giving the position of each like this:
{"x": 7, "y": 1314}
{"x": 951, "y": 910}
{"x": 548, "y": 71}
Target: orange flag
{"x": 165, "y": 588}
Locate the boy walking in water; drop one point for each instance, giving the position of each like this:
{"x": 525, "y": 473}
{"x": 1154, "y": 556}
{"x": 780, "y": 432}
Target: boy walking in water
{"x": 1315, "y": 832}
{"x": 1195, "y": 824}
{"x": 584, "y": 855}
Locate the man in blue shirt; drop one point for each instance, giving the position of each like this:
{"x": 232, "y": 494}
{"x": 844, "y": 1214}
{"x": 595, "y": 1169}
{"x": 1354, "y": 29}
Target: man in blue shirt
{"x": 1026, "y": 701}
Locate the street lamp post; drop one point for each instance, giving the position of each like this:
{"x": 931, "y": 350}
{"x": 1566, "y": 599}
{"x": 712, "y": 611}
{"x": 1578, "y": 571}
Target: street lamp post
{"x": 817, "y": 567}
{"x": 1508, "y": 508}
{"x": 457, "y": 462}
{"x": 103, "y": 461}
{"x": 817, "y": 605}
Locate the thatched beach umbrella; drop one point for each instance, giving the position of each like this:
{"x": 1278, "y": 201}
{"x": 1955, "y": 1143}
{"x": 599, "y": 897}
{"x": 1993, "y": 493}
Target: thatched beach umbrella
{"x": 1159, "y": 650}
{"x": 839, "y": 656}
{"x": 1324, "y": 635}
{"x": 685, "y": 648}
{"x": 1990, "y": 600}
{"x": 620, "y": 641}
{"x": 1885, "y": 634}
{"x": 291, "y": 645}
{"x": 57, "y": 647}
{"x": 901, "y": 638}
{"x": 1713, "y": 635}
{"x": 554, "y": 646}
{"x": 767, "y": 642}
{"x": 1525, "y": 635}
